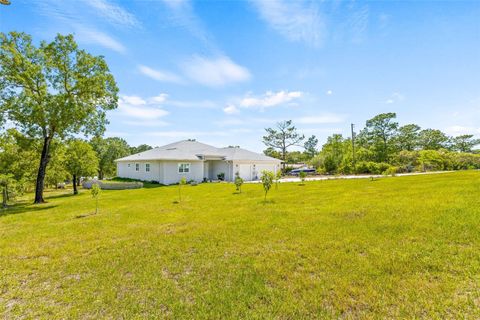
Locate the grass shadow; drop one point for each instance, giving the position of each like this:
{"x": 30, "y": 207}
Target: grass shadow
{"x": 63, "y": 195}
{"x": 152, "y": 185}
{"x": 268, "y": 201}
{"x": 19, "y": 208}
{"x": 85, "y": 215}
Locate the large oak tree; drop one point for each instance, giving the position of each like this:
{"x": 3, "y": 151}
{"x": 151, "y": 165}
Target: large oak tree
{"x": 53, "y": 90}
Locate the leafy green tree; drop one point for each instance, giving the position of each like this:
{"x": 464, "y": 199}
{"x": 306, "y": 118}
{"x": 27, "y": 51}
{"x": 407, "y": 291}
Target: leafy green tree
{"x": 433, "y": 139}
{"x": 431, "y": 160}
{"x": 96, "y": 190}
{"x": 282, "y": 137}
{"x": 81, "y": 160}
{"x": 140, "y": 148}
{"x": 378, "y": 135}
{"x": 464, "y": 143}
{"x": 238, "y": 183}
{"x": 267, "y": 181}
{"x": 6, "y": 182}
{"x": 53, "y": 90}
{"x": 107, "y": 151}
{"x": 17, "y": 153}
{"x": 296, "y": 157}
{"x": 408, "y": 137}
{"x": 271, "y": 152}
{"x": 311, "y": 146}
{"x": 333, "y": 153}
{"x": 56, "y": 170}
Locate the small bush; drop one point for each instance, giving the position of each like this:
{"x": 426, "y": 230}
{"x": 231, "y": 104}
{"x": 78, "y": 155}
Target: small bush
{"x": 238, "y": 183}
{"x": 391, "y": 171}
{"x": 221, "y": 176}
{"x": 267, "y": 181}
{"x": 95, "y": 193}
{"x": 302, "y": 175}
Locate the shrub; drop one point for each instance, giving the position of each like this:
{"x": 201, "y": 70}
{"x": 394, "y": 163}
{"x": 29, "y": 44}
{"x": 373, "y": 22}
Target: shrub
{"x": 267, "y": 181}
{"x": 431, "y": 160}
{"x": 371, "y": 167}
{"x": 391, "y": 171}
{"x": 95, "y": 193}
{"x": 302, "y": 175}
{"x": 221, "y": 176}
{"x": 238, "y": 183}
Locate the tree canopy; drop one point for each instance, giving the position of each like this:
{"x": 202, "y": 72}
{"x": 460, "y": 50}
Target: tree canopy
{"x": 282, "y": 137}
{"x": 53, "y": 90}
{"x": 81, "y": 160}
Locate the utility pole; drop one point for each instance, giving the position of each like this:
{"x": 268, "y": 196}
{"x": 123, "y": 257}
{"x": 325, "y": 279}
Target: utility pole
{"x": 353, "y": 145}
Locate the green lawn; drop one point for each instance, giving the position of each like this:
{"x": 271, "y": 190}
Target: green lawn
{"x": 395, "y": 247}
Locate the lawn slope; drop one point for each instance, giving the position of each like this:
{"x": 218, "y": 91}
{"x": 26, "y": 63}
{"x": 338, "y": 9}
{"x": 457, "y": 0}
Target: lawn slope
{"x": 393, "y": 247}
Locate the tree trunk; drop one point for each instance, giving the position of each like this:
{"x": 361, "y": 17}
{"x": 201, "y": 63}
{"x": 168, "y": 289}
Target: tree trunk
{"x": 74, "y": 180}
{"x": 42, "y": 170}
{"x": 100, "y": 174}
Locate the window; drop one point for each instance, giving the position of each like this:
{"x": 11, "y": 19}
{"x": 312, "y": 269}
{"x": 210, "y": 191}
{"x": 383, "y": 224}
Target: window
{"x": 183, "y": 167}
{"x": 147, "y": 167}
{"x": 129, "y": 165}
{"x": 137, "y": 167}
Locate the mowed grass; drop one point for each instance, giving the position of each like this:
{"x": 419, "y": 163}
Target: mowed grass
{"x": 395, "y": 247}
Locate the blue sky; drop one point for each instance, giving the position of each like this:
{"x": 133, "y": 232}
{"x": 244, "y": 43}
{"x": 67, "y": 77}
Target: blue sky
{"x": 222, "y": 71}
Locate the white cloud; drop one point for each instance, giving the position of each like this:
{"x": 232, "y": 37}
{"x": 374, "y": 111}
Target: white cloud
{"x": 193, "y": 104}
{"x": 138, "y": 108}
{"x": 329, "y": 92}
{"x": 182, "y": 14}
{"x": 214, "y": 72}
{"x": 133, "y": 100}
{"x": 113, "y": 13}
{"x": 159, "y": 75}
{"x": 270, "y": 99}
{"x": 295, "y": 20}
{"x": 146, "y": 123}
{"x": 88, "y": 35}
{"x": 330, "y": 118}
{"x": 66, "y": 13}
{"x": 231, "y": 109}
{"x": 394, "y": 98}
{"x": 162, "y": 97}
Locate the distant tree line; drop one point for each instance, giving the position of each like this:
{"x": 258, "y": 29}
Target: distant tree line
{"x": 381, "y": 146}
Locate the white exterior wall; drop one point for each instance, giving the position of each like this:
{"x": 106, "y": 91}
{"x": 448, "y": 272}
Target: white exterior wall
{"x": 171, "y": 175}
{"x": 124, "y": 171}
{"x": 166, "y": 172}
{"x": 253, "y": 170}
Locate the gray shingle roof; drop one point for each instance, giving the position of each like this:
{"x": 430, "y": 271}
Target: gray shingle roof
{"x": 194, "y": 150}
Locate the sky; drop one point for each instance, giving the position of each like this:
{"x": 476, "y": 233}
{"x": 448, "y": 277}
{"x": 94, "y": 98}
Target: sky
{"x": 222, "y": 71}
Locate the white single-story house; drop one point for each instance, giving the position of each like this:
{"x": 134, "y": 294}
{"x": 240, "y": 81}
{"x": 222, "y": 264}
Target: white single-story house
{"x": 195, "y": 161}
